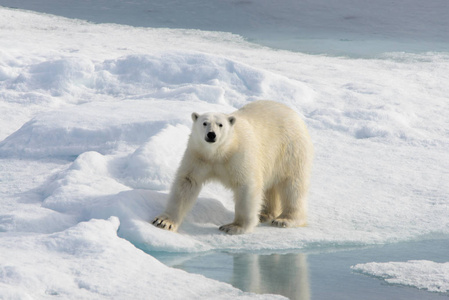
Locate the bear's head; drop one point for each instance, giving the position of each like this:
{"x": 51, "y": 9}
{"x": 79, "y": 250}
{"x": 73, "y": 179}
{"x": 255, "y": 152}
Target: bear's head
{"x": 212, "y": 128}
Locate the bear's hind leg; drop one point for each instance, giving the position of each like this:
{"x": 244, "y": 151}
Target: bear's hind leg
{"x": 271, "y": 207}
{"x": 294, "y": 205}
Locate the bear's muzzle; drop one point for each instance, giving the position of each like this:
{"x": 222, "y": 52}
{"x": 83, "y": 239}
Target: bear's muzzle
{"x": 210, "y": 137}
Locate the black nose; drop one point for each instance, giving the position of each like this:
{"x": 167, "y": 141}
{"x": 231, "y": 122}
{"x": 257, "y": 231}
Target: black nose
{"x": 211, "y": 135}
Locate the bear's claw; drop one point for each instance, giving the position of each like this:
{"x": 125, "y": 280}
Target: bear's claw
{"x": 232, "y": 229}
{"x": 164, "y": 223}
{"x": 279, "y": 223}
{"x": 287, "y": 222}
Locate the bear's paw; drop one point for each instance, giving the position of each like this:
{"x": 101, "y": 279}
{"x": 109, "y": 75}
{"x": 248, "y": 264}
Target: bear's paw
{"x": 284, "y": 222}
{"x": 164, "y": 222}
{"x": 233, "y": 229}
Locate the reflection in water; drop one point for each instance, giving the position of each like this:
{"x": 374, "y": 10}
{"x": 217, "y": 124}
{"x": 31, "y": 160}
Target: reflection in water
{"x": 330, "y": 275}
{"x": 286, "y": 274}
{"x": 283, "y": 274}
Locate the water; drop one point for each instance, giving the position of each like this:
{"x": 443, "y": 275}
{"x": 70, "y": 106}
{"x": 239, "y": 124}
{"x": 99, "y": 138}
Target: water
{"x": 361, "y": 28}
{"x": 316, "y": 274}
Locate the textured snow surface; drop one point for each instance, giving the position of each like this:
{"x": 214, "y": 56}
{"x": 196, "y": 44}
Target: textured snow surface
{"x": 95, "y": 119}
{"x": 422, "y": 274}
{"x": 80, "y": 263}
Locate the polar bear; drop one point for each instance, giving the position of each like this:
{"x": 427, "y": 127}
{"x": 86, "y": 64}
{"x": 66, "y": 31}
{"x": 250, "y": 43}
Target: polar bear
{"x": 262, "y": 152}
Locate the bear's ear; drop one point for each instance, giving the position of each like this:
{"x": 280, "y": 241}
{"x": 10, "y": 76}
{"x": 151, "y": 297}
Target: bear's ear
{"x": 195, "y": 116}
{"x": 231, "y": 120}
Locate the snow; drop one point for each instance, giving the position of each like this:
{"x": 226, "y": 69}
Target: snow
{"x": 95, "y": 119}
{"x": 83, "y": 264}
{"x": 422, "y": 274}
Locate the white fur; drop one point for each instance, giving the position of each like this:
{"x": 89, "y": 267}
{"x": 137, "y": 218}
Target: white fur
{"x": 262, "y": 152}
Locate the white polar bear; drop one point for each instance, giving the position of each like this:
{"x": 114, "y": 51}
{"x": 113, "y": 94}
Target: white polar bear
{"x": 262, "y": 152}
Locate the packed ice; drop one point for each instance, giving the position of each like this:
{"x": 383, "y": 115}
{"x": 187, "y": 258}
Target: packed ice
{"x": 422, "y": 274}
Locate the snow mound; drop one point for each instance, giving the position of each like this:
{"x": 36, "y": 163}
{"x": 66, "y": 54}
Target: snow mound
{"x": 421, "y": 274}
{"x": 386, "y": 123}
{"x": 89, "y": 261}
{"x": 56, "y": 77}
{"x": 97, "y": 126}
{"x": 173, "y": 75}
{"x": 153, "y": 164}
{"x": 194, "y": 77}
{"x": 146, "y": 82}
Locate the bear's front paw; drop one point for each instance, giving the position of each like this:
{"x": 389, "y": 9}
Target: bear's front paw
{"x": 164, "y": 222}
{"x": 233, "y": 229}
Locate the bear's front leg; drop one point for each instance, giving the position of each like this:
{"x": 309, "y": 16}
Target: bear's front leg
{"x": 248, "y": 200}
{"x": 182, "y": 196}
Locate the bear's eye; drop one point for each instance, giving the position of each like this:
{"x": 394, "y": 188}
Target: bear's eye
{"x": 220, "y": 125}
{"x": 204, "y": 124}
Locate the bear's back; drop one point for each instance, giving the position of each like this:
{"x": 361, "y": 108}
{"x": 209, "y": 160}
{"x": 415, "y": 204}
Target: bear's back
{"x": 271, "y": 119}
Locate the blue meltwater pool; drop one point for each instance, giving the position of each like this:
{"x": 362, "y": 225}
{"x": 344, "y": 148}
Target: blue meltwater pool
{"x": 314, "y": 274}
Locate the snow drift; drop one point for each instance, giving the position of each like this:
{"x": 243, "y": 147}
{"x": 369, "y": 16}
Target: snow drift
{"x": 80, "y": 263}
